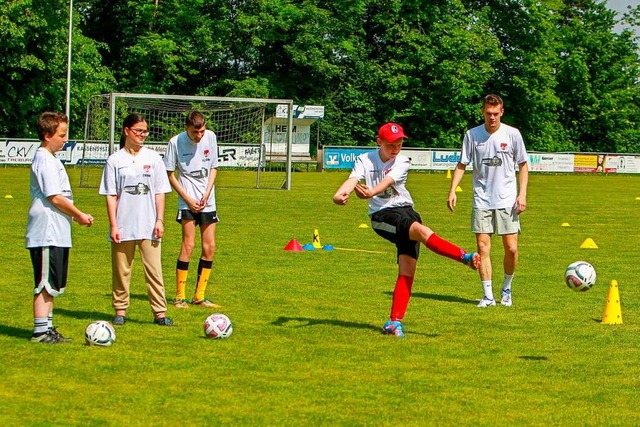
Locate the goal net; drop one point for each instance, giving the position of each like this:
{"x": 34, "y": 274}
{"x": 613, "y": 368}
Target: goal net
{"x": 254, "y": 135}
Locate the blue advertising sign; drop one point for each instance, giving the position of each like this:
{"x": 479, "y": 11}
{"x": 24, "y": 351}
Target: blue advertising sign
{"x": 343, "y": 158}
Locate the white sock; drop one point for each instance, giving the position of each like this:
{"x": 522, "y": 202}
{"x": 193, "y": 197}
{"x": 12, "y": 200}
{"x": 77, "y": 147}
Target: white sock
{"x": 488, "y": 289}
{"x": 40, "y": 325}
{"x": 50, "y": 321}
{"x": 506, "y": 286}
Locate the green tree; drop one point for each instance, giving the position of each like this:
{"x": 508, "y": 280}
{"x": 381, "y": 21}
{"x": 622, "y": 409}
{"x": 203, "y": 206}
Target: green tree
{"x": 34, "y": 64}
{"x": 598, "y": 79}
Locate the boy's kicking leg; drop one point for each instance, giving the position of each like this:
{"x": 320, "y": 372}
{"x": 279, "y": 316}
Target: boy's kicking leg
{"x": 435, "y": 243}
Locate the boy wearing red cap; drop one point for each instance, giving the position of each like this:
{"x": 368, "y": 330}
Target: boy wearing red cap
{"x": 384, "y": 173}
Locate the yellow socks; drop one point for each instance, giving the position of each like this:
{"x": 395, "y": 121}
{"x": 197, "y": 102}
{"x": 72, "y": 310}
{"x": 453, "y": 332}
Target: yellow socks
{"x": 204, "y": 271}
{"x": 182, "y": 271}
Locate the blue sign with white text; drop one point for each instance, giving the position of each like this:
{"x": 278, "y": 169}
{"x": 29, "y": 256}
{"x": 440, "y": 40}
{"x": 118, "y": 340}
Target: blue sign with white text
{"x": 343, "y": 158}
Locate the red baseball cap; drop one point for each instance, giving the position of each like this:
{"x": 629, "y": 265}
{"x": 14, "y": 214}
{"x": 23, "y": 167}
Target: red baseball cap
{"x": 391, "y": 132}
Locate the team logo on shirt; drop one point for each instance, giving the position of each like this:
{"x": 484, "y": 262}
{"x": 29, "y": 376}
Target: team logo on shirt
{"x": 503, "y": 146}
{"x": 206, "y": 153}
{"x": 140, "y": 188}
{"x": 495, "y": 161}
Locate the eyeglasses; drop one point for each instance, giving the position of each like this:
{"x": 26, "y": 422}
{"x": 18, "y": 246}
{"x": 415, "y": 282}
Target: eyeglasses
{"x": 140, "y": 132}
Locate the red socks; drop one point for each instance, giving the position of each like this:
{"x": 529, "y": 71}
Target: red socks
{"x": 401, "y": 295}
{"x": 445, "y": 248}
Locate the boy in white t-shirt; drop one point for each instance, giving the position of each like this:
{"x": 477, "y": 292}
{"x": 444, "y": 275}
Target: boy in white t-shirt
{"x": 495, "y": 149}
{"x": 191, "y": 161}
{"x": 49, "y": 225}
{"x": 380, "y": 177}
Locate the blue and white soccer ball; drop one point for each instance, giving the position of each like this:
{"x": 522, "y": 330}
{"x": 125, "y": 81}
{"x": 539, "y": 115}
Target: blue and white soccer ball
{"x": 100, "y": 333}
{"x": 580, "y": 276}
{"x": 218, "y": 326}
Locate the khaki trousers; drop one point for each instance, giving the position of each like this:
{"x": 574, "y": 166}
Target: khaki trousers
{"x": 122, "y": 255}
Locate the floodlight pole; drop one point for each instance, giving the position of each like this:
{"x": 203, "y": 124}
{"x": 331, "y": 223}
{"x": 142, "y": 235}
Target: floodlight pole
{"x": 68, "y": 105}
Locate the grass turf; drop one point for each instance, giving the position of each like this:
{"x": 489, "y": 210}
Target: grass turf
{"x": 307, "y": 347}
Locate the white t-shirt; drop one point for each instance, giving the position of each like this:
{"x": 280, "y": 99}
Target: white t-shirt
{"x": 47, "y": 225}
{"x": 135, "y": 180}
{"x": 193, "y": 163}
{"x": 370, "y": 168}
{"x": 494, "y": 158}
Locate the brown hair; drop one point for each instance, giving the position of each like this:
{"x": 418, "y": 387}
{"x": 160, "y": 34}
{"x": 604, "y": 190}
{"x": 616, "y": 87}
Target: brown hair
{"x": 49, "y": 122}
{"x": 492, "y": 99}
{"x": 195, "y": 119}
{"x": 129, "y": 121}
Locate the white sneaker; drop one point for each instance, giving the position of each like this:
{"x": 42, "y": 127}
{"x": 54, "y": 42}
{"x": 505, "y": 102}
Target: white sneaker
{"x": 506, "y": 298}
{"x": 486, "y": 302}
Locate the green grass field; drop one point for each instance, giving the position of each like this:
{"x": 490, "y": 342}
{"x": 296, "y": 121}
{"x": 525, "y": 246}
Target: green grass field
{"x": 307, "y": 348}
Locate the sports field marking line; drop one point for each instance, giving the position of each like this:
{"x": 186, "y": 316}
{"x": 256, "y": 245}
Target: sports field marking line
{"x": 359, "y": 250}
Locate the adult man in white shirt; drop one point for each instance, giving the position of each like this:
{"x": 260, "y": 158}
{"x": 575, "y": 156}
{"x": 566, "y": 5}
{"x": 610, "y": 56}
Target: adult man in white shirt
{"x": 495, "y": 149}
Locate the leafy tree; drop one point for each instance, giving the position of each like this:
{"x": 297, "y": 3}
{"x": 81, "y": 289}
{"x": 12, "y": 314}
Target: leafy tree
{"x": 34, "y": 64}
{"x": 598, "y": 79}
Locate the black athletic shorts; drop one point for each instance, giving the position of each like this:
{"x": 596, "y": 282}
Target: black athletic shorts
{"x": 393, "y": 224}
{"x": 201, "y": 218}
{"x": 50, "y": 265}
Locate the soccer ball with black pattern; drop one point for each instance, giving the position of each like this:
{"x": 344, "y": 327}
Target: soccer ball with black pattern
{"x": 580, "y": 276}
{"x": 218, "y": 326}
{"x": 100, "y": 333}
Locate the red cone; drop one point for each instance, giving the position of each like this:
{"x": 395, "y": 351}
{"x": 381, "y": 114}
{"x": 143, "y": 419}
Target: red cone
{"x": 293, "y": 245}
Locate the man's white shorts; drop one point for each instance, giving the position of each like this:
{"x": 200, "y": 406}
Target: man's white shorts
{"x": 500, "y": 221}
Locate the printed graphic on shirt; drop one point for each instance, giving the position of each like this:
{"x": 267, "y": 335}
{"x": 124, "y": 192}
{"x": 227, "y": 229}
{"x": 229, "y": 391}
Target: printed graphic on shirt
{"x": 138, "y": 189}
{"x": 495, "y": 161}
{"x": 202, "y": 173}
{"x": 389, "y": 192}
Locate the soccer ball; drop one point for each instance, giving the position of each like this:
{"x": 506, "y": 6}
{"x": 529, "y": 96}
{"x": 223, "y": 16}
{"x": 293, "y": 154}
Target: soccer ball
{"x": 100, "y": 333}
{"x": 580, "y": 276}
{"x": 217, "y": 326}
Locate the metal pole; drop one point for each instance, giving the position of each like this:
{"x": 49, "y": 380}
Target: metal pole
{"x": 68, "y": 105}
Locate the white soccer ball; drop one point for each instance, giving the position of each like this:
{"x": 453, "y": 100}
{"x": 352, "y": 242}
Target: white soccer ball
{"x": 100, "y": 333}
{"x": 580, "y": 276}
{"x": 217, "y": 326}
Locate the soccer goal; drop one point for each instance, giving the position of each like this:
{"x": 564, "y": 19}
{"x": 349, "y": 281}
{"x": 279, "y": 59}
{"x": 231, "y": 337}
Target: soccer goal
{"x": 254, "y": 135}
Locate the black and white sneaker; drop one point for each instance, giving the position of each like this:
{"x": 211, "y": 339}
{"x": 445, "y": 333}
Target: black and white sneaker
{"x": 61, "y": 338}
{"x": 47, "y": 338}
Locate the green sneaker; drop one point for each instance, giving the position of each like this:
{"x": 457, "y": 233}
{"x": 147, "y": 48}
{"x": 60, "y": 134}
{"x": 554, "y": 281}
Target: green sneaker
{"x": 47, "y": 338}
{"x": 181, "y": 303}
{"x": 205, "y": 303}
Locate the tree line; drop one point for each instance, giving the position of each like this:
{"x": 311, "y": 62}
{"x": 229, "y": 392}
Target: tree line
{"x": 569, "y": 81}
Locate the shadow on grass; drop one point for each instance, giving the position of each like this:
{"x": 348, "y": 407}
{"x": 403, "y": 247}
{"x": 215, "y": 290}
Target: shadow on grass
{"x": 83, "y": 315}
{"x": 283, "y": 320}
{"x": 533, "y": 358}
{"x": 438, "y": 297}
{"x": 91, "y": 315}
{"x": 306, "y": 321}
{"x": 11, "y": 331}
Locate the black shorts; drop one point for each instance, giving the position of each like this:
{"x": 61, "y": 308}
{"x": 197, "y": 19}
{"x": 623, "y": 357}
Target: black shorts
{"x": 50, "y": 265}
{"x": 201, "y": 218}
{"x": 393, "y": 224}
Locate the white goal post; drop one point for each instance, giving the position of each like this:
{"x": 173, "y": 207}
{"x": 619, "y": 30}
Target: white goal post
{"x": 254, "y": 134}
